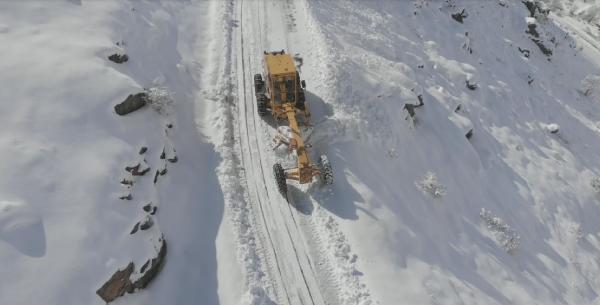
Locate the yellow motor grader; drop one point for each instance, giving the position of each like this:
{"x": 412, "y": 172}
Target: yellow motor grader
{"x": 281, "y": 92}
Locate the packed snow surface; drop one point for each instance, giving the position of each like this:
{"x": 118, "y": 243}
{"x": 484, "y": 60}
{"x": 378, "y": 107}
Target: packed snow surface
{"x": 488, "y": 193}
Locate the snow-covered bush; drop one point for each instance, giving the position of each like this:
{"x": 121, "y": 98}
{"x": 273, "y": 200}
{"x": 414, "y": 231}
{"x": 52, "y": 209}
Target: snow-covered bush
{"x": 160, "y": 99}
{"x": 430, "y": 185}
{"x": 590, "y": 86}
{"x": 595, "y": 183}
{"x": 552, "y": 128}
{"x": 506, "y": 237}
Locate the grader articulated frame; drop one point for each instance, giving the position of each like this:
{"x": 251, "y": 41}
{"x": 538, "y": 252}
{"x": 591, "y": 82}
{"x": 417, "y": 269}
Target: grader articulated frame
{"x": 282, "y": 92}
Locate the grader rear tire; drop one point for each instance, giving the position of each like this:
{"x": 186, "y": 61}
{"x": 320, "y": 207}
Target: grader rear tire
{"x": 261, "y": 105}
{"x": 326, "y": 171}
{"x": 280, "y": 179}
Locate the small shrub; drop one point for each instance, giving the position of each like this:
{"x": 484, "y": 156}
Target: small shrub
{"x": 595, "y": 183}
{"x": 505, "y": 236}
{"x": 430, "y": 185}
{"x": 160, "y": 99}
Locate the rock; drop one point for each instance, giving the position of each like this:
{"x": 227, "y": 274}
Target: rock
{"x": 126, "y": 182}
{"x": 471, "y": 86}
{"x": 553, "y": 128}
{"x": 156, "y": 176}
{"x": 120, "y": 282}
{"x": 410, "y": 108}
{"x": 146, "y": 264}
{"x": 532, "y": 30}
{"x": 146, "y": 223}
{"x": 163, "y": 155}
{"x": 173, "y": 160}
{"x": 132, "y": 103}
{"x": 137, "y": 170}
{"x": 525, "y": 52}
{"x": 543, "y": 48}
{"x": 156, "y": 265}
{"x": 143, "y": 150}
{"x": 163, "y": 171}
{"x": 126, "y": 197}
{"x": 135, "y": 228}
{"x": 469, "y": 134}
{"x": 118, "y": 58}
{"x": 460, "y": 16}
{"x": 149, "y": 208}
{"x": 117, "y": 285}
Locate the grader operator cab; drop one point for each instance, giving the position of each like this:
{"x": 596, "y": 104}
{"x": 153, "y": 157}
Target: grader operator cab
{"x": 281, "y": 92}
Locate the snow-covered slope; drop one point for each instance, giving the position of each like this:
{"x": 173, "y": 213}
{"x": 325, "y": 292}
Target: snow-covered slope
{"x": 489, "y": 197}
{"x": 63, "y": 228}
{"x": 415, "y": 248}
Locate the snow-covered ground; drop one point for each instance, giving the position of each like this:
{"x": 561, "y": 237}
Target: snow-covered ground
{"x": 419, "y": 213}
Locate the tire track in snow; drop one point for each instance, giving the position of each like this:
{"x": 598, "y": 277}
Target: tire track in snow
{"x": 257, "y": 141}
{"x": 242, "y": 84}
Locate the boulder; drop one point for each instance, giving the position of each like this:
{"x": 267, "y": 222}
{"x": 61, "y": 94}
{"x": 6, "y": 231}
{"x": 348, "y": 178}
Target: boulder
{"x": 146, "y": 223}
{"x": 132, "y": 103}
{"x": 117, "y": 285}
{"x": 120, "y": 282}
{"x": 118, "y": 58}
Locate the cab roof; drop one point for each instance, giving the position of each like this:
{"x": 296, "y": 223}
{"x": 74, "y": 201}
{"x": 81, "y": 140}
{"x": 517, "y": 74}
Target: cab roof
{"x": 278, "y": 63}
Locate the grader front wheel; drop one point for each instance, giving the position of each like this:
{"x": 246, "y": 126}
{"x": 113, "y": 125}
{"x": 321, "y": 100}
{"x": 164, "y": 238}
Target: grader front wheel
{"x": 280, "y": 179}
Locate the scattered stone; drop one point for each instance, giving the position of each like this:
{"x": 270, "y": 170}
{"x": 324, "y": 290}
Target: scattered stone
{"x": 138, "y": 170}
{"x": 469, "y": 134}
{"x": 146, "y": 223}
{"x": 471, "y": 86}
{"x": 173, "y": 160}
{"x": 169, "y": 125}
{"x": 126, "y": 197}
{"x": 143, "y": 150}
{"x": 117, "y": 285}
{"x": 132, "y": 103}
{"x": 156, "y": 176}
{"x": 163, "y": 155}
{"x": 147, "y": 207}
{"x": 163, "y": 171}
{"x": 543, "y": 48}
{"x": 532, "y": 30}
{"x": 553, "y": 128}
{"x": 460, "y": 16}
{"x": 535, "y": 8}
{"x": 135, "y": 228}
{"x": 126, "y": 182}
{"x": 525, "y": 52}
{"x": 118, "y": 58}
{"x": 410, "y": 108}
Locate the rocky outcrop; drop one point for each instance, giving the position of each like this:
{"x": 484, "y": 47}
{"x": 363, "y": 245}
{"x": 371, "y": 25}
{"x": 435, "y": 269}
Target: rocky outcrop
{"x": 120, "y": 282}
{"x": 132, "y": 103}
{"x": 156, "y": 265}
